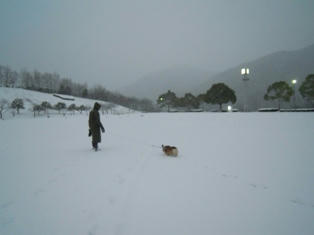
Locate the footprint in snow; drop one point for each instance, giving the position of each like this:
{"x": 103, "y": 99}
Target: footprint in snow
{"x": 253, "y": 185}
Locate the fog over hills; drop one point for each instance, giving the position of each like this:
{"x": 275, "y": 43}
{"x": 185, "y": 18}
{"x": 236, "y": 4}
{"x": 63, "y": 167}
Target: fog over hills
{"x": 179, "y": 79}
{"x": 278, "y": 66}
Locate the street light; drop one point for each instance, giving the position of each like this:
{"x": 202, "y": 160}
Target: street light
{"x": 245, "y": 72}
{"x": 294, "y": 83}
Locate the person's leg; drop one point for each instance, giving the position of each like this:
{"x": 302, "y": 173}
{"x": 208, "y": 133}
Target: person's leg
{"x": 94, "y": 142}
{"x": 95, "y": 145}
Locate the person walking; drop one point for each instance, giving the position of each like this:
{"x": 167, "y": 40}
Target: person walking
{"x": 95, "y": 126}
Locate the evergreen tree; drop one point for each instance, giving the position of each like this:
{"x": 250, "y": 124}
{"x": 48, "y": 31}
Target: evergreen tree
{"x": 280, "y": 91}
{"x": 191, "y": 101}
{"x": 167, "y": 99}
{"x": 307, "y": 88}
{"x": 85, "y": 93}
{"x": 219, "y": 94}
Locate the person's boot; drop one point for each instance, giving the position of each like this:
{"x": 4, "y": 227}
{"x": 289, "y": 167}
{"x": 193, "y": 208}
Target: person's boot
{"x": 95, "y": 147}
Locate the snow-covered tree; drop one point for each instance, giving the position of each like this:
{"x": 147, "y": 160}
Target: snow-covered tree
{"x": 82, "y": 108}
{"x": 59, "y": 106}
{"x": 72, "y": 108}
{"x": 45, "y": 106}
{"x": 37, "y": 108}
{"x": 66, "y": 86}
{"x": 27, "y": 80}
{"x": 17, "y": 104}
{"x": 8, "y": 77}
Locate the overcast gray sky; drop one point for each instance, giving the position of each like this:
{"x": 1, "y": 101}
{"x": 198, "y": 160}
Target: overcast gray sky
{"x": 115, "y": 42}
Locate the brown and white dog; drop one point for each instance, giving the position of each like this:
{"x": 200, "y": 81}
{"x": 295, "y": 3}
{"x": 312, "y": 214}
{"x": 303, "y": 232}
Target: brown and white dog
{"x": 170, "y": 150}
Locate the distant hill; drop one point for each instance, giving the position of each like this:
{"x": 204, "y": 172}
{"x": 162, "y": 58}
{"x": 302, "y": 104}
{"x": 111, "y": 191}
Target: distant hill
{"x": 180, "y": 79}
{"x": 279, "y": 66}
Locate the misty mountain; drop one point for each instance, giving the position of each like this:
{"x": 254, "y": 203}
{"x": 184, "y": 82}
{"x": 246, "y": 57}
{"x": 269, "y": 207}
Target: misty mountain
{"x": 279, "y": 66}
{"x": 179, "y": 79}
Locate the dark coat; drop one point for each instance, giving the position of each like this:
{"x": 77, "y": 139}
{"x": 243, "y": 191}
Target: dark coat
{"x": 94, "y": 124}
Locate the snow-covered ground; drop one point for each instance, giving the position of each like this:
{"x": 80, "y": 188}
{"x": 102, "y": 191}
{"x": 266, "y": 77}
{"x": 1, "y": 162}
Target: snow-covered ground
{"x": 31, "y": 98}
{"x": 236, "y": 173}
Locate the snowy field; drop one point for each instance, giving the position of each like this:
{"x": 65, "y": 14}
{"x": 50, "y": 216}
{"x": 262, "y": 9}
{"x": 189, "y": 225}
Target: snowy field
{"x": 237, "y": 173}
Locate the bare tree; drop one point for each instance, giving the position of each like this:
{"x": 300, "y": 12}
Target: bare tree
{"x": 54, "y": 82}
{"x": 59, "y": 106}
{"x": 45, "y": 106}
{"x": 72, "y": 108}
{"x": 1, "y": 76}
{"x": 27, "y": 80}
{"x": 107, "y": 107}
{"x": 37, "y": 108}
{"x": 8, "y": 77}
{"x": 66, "y": 86}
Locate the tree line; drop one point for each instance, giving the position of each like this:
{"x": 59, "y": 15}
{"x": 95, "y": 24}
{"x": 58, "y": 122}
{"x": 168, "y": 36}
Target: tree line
{"x": 220, "y": 94}
{"x": 54, "y": 83}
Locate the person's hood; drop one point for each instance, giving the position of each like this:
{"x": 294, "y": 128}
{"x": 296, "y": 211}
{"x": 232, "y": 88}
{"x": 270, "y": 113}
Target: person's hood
{"x": 97, "y": 106}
